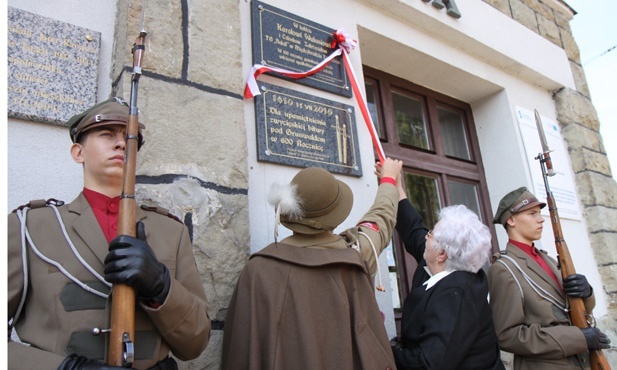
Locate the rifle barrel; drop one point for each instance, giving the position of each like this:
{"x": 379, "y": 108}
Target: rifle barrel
{"x": 122, "y": 334}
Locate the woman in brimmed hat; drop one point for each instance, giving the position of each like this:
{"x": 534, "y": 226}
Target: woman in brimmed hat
{"x": 308, "y": 301}
{"x": 528, "y": 296}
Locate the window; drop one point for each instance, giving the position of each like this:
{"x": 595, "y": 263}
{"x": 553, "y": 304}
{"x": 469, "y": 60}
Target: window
{"x": 434, "y": 135}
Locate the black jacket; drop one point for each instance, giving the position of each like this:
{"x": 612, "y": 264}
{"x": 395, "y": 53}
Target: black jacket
{"x": 449, "y": 326}
{"x": 412, "y": 232}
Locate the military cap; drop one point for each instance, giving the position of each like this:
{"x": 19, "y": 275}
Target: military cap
{"x": 514, "y": 202}
{"x": 114, "y": 111}
{"x": 325, "y": 201}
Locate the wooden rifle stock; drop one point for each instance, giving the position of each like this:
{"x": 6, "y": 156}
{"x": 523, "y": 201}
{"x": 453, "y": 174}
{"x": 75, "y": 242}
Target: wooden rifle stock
{"x": 578, "y": 313}
{"x": 122, "y": 333}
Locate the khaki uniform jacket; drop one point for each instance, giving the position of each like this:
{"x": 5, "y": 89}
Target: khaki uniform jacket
{"x": 58, "y": 315}
{"x": 533, "y": 329}
{"x": 308, "y": 302}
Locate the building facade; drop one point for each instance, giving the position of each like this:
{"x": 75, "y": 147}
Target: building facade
{"x": 451, "y": 88}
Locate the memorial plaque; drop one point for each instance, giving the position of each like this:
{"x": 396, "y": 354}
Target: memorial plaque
{"x": 306, "y": 131}
{"x": 284, "y": 40}
{"x": 52, "y": 68}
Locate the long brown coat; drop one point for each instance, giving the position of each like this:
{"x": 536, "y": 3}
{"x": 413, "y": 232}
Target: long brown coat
{"x": 534, "y": 330}
{"x": 308, "y": 302}
{"x": 58, "y": 316}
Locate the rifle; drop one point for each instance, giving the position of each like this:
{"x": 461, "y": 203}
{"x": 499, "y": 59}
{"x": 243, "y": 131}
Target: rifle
{"x": 121, "y": 348}
{"x": 578, "y": 314}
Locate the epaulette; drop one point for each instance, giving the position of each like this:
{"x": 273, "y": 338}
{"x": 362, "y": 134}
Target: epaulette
{"x": 498, "y": 255}
{"x": 162, "y": 211}
{"x": 39, "y": 203}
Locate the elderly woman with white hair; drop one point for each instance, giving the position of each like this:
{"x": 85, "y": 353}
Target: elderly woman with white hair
{"x": 447, "y": 321}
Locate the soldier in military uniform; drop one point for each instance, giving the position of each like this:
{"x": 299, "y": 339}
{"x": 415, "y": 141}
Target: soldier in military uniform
{"x": 528, "y": 296}
{"x": 63, "y": 259}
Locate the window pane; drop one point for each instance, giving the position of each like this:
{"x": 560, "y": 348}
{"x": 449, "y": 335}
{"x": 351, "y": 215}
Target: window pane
{"x": 409, "y": 116}
{"x": 465, "y": 194}
{"x": 423, "y": 194}
{"x": 453, "y": 133}
{"x": 372, "y": 105}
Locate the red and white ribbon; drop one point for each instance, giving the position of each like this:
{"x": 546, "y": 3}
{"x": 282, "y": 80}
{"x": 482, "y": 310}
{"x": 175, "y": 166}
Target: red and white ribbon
{"x": 345, "y": 45}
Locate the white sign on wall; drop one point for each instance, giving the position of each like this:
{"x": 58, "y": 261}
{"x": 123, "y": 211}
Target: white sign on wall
{"x": 562, "y": 184}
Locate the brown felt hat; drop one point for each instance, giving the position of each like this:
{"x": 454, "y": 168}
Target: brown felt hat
{"x": 325, "y": 201}
{"x": 514, "y": 202}
{"x": 113, "y": 111}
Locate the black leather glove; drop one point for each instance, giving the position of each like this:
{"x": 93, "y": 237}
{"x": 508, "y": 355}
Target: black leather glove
{"x": 596, "y": 339}
{"x": 75, "y": 362}
{"x": 131, "y": 261}
{"x": 576, "y": 285}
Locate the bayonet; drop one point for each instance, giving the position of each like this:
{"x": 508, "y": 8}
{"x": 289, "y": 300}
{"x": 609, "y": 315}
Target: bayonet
{"x": 544, "y": 157}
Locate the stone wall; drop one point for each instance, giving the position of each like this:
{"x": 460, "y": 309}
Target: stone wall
{"x": 580, "y": 127}
{"x": 194, "y": 162}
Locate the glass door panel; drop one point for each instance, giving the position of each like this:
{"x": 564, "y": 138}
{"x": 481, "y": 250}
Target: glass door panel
{"x": 465, "y": 194}
{"x": 423, "y": 193}
{"x": 410, "y": 124}
{"x": 373, "y": 106}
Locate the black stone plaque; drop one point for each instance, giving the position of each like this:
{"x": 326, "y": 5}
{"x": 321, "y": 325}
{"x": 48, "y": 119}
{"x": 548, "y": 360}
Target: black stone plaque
{"x": 306, "y": 131}
{"x": 284, "y": 40}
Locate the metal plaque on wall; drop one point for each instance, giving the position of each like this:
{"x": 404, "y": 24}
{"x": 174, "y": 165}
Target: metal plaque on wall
{"x": 303, "y": 130}
{"x": 52, "y": 68}
{"x": 284, "y": 40}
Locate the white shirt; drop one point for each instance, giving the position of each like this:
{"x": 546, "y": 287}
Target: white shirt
{"x": 434, "y": 279}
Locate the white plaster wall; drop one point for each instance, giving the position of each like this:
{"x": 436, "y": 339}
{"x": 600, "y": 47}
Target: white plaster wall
{"x": 38, "y": 161}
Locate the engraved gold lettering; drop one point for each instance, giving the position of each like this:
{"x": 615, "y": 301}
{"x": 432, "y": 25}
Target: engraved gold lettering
{"x": 85, "y": 61}
{"x": 276, "y": 130}
{"x": 289, "y": 31}
{"x": 71, "y": 44}
{"x": 302, "y": 135}
{"x": 33, "y": 49}
{"x": 311, "y": 146}
{"x": 48, "y": 39}
{"x": 304, "y": 28}
{"x": 17, "y": 89}
{"x": 30, "y": 64}
{"x": 291, "y": 39}
{"x": 29, "y": 78}
{"x": 282, "y": 43}
{"x": 20, "y": 31}
{"x": 60, "y": 55}
{"x": 315, "y": 43}
{"x": 316, "y": 129}
{"x": 304, "y": 50}
{"x": 23, "y": 102}
{"x": 273, "y": 110}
